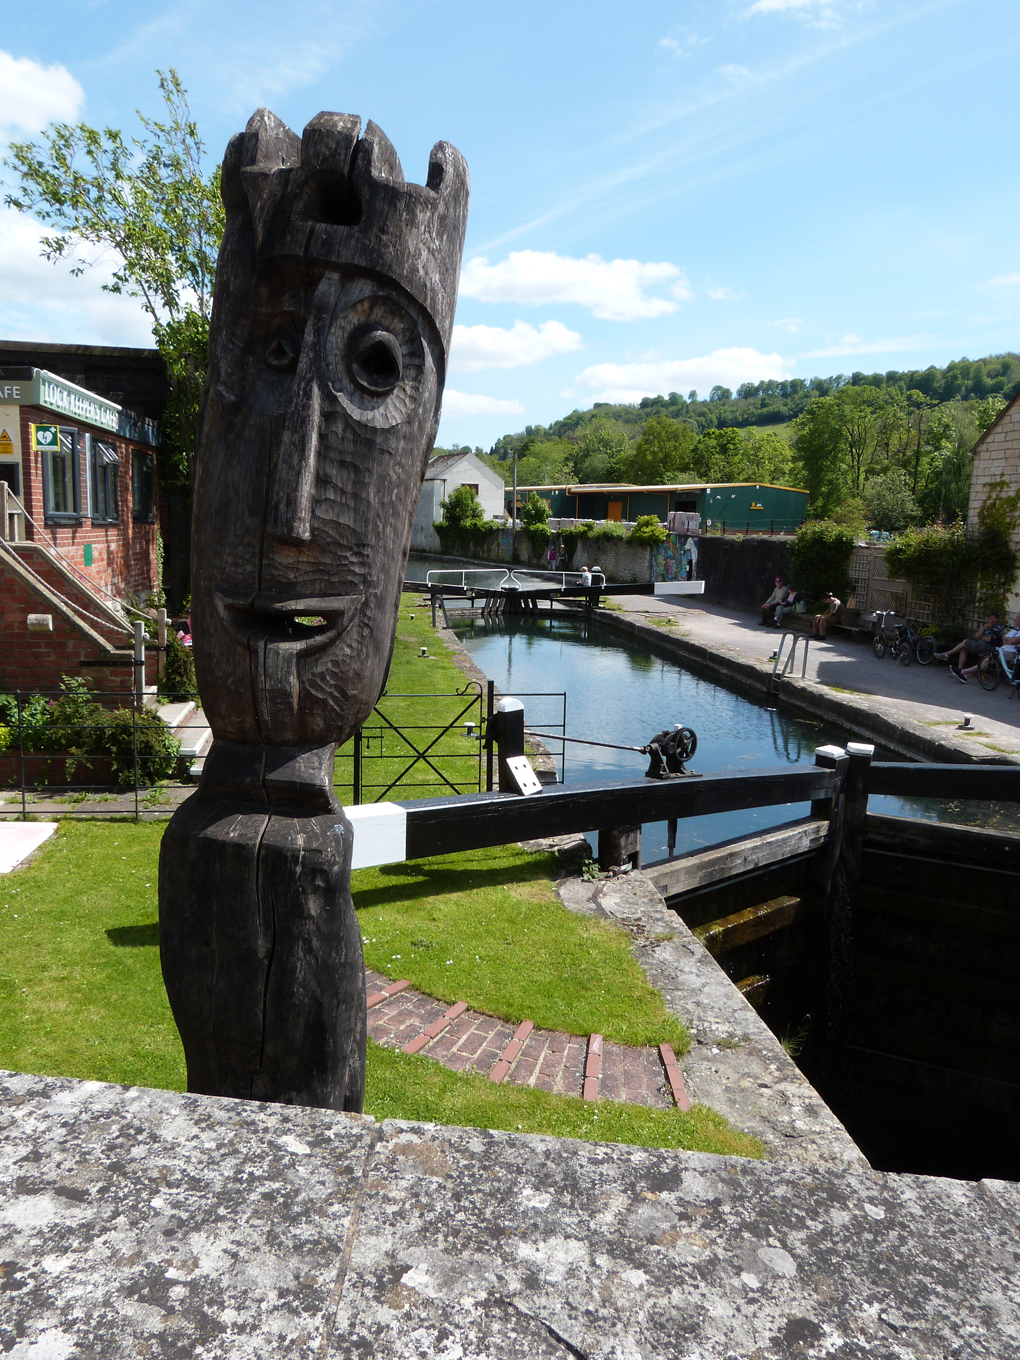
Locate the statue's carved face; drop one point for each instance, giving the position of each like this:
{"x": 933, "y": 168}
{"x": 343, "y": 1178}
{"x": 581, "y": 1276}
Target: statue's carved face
{"x": 319, "y": 420}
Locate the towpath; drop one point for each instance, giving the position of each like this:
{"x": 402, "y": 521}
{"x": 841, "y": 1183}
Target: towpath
{"x": 916, "y": 709}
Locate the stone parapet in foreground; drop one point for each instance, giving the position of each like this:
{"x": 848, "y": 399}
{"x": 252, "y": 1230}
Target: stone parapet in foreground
{"x": 137, "y": 1222}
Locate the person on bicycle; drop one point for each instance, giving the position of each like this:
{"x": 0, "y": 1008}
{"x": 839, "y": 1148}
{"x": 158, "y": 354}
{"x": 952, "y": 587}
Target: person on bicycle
{"x": 971, "y": 651}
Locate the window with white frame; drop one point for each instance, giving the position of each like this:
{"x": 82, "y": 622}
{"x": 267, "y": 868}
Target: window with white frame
{"x": 61, "y": 492}
{"x": 105, "y": 465}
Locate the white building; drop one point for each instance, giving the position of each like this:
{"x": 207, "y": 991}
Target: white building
{"x": 443, "y": 476}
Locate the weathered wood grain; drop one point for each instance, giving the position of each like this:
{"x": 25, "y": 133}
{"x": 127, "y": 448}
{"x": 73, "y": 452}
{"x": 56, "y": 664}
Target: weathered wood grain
{"x": 333, "y": 310}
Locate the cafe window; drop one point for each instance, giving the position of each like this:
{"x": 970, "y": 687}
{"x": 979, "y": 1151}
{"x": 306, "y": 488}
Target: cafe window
{"x": 105, "y": 463}
{"x": 142, "y": 493}
{"x": 61, "y": 488}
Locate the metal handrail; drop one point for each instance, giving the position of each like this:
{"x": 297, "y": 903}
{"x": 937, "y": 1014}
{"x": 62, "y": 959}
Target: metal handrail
{"x": 469, "y": 571}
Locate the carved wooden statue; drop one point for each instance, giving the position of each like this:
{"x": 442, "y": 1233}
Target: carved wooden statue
{"x": 335, "y": 293}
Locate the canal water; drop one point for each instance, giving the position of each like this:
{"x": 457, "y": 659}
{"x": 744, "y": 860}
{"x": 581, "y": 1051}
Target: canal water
{"x": 618, "y": 691}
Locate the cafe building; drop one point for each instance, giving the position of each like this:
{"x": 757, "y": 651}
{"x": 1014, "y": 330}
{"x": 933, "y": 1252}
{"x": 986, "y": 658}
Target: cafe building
{"x": 84, "y": 470}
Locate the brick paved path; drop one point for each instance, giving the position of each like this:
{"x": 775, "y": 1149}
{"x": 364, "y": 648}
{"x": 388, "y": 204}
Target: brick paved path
{"x": 566, "y": 1064}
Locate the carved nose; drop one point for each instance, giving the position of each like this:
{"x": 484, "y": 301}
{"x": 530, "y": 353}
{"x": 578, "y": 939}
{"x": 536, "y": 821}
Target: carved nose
{"x": 292, "y": 486}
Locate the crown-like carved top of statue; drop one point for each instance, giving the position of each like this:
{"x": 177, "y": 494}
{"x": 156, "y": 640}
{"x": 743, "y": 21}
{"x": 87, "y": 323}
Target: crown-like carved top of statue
{"x": 338, "y": 199}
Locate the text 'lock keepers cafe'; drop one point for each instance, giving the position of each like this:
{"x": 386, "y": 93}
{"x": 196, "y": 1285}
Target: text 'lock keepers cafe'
{"x": 84, "y": 470}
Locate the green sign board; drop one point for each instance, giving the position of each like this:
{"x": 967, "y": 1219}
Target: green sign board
{"x": 45, "y": 437}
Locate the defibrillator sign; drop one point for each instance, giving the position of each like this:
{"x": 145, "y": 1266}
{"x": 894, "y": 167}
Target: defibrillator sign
{"x": 45, "y": 437}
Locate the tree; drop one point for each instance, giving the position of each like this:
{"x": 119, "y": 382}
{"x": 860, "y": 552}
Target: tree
{"x": 601, "y": 452}
{"x": 152, "y": 204}
{"x": 462, "y": 509}
{"x": 535, "y": 511}
{"x": 843, "y": 439}
{"x": 662, "y": 452}
{"x": 719, "y": 456}
{"x": 889, "y": 502}
{"x": 544, "y": 462}
{"x": 768, "y": 457}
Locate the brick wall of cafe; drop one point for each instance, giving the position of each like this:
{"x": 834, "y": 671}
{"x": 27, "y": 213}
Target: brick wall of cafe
{"x": 123, "y": 552}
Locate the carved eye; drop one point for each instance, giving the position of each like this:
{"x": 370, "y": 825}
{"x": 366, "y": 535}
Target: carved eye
{"x": 375, "y": 359}
{"x": 284, "y": 337}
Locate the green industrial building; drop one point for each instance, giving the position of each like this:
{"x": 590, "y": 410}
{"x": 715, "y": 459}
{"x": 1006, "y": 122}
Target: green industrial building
{"x": 744, "y": 507}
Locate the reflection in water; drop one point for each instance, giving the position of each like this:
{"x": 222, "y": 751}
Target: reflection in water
{"x": 617, "y": 691}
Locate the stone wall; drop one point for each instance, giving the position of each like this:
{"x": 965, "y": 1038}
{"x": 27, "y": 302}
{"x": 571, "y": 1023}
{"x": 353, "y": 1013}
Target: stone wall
{"x": 997, "y": 460}
{"x": 739, "y": 573}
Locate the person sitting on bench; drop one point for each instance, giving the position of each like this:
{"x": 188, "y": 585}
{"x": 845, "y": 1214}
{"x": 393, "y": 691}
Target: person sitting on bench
{"x": 967, "y": 655}
{"x": 785, "y": 606}
{"x": 777, "y": 597}
{"x": 822, "y": 621}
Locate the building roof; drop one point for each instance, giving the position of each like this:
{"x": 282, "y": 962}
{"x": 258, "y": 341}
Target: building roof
{"x": 129, "y": 377}
{"x": 601, "y": 488}
{"x": 443, "y": 463}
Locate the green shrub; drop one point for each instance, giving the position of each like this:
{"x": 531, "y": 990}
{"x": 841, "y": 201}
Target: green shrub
{"x": 179, "y": 668}
{"x": 535, "y": 512}
{"x": 934, "y": 556}
{"x": 647, "y": 529}
{"x": 79, "y": 727}
{"x": 538, "y": 536}
{"x": 607, "y": 530}
{"x": 6, "y": 737}
{"x": 572, "y": 536}
{"x": 820, "y": 558}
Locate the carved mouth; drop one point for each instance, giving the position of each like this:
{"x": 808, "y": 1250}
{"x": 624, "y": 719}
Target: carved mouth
{"x": 301, "y": 625}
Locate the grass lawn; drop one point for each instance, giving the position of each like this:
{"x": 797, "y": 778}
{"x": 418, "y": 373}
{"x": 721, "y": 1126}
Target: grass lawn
{"x": 81, "y": 993}
{"x": 387, "y": 754}
{"x": 486, "y": 927}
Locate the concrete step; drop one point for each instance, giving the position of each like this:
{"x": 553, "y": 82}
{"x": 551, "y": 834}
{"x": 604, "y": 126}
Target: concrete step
{"x": 195, "y": 737}
{"x": 174, "y": 715}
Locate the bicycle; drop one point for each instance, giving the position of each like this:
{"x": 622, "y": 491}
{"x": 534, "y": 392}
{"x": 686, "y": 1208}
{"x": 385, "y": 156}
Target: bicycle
{"x": 991, "y": 669}
{"x": 905, "y": 643}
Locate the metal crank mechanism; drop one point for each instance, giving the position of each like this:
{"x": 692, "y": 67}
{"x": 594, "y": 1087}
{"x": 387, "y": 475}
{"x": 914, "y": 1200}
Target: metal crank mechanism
{"x": 668, "y": 752}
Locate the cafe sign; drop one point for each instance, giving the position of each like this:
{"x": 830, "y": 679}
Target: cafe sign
{"x": 67, "y": 398}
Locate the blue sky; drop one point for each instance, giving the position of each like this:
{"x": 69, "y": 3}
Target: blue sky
{"x": 664, "y": 196}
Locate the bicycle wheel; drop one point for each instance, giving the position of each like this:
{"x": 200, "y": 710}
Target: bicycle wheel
{"x": 989, "y": 672}
{"x": 878, "y": 645}
{"x": 925, "y": 650}
{"x": 905, "y": 656}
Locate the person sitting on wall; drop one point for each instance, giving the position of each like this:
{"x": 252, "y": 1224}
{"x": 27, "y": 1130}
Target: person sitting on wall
{"x": 822, "y": 621}
{"x": 1011, "y": 643}
{"x": 785, "y": 605}
{"x": 971, "y": 651}
{"x": 777, "y": 597}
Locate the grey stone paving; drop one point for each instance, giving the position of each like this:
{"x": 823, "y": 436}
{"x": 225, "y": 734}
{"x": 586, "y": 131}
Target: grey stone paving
{"x": 145, "y": 1223}
{"x": 736, "y": 1064}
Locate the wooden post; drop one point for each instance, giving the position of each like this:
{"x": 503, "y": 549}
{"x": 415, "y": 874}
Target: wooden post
{"x": 161, "y": 641}
{"x": 860, "y": 757}
{"x": 619, "y": 845}
{"x": 335, "y": 291}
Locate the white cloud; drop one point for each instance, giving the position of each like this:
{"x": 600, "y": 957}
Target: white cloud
{"x": 1004, "y": 280}
{"x": 723, "y": 294}
{"x": 476, "y": 347}
{"x": 853, "y": 344}
{"x": 43, "y": 301}
{"x": 789, "y": 323}
{"x": 473, "y": 404}
{"x": 655, "y": 377}
{"x": 35, "y": 95}
{"x": 821, "y": 13}
{"x": 614, "y": 290}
